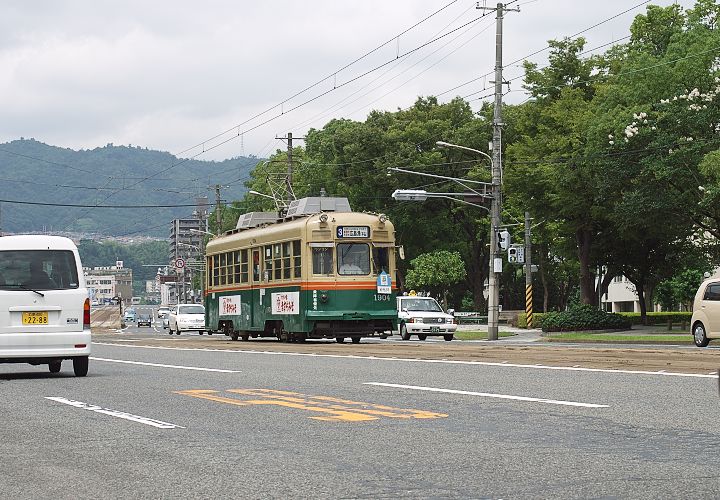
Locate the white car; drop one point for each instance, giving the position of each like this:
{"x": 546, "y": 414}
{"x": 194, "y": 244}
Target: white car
{"x": 705, "y": 321}
{"x": 163, "y": 312}
{"x": 423, "y": 316}
{"x": 44, "y": 304}
{"x": 187, "y": 317}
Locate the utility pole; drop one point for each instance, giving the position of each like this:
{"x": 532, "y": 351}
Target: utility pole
{"x": 218, "y": 217}
{"x": 496, "y": 207}
{"x": 288, "y": 178}
{"x": 528, "y": 273}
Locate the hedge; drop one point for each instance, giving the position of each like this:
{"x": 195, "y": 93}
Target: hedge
{"x": 654, "y": 318}
{"x": 660, "y": 318}
{"x": 583, "y": 317}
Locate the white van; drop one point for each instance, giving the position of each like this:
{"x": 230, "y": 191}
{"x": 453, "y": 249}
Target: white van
{"x": 44, "y": 304}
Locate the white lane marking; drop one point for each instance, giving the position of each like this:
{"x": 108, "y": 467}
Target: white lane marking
{"x": 502, "y": 364}
{"x": 159, "y": 365}
{"x": 490, "y": 395}
{"x": 115, "y": 413}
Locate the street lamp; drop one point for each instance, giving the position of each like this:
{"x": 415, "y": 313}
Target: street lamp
{"x": 489, "y": 190}
{"x": 495, "y": 264}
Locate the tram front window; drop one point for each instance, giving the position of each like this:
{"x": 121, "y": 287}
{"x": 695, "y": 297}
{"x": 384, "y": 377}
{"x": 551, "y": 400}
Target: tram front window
{"x": 353, "y": 259}
{"x": 322, "y": 260}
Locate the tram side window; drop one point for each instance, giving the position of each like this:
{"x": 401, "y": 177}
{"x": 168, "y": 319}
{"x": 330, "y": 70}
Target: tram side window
{"x": 223, "y": 268}
{"x": 353, "y": 259}
{"x": 268, "y": 262}
{"x": 216, "y": 270}
{"x": 256, "y": 265}
{"x": 297, "y": 258}
{"x": 244, "y": 266}
{"x": 322, "y": 260}
{"x": 286, "y": 259}
{"x": 277, "y": 260}
{"x": 381, "y": 260}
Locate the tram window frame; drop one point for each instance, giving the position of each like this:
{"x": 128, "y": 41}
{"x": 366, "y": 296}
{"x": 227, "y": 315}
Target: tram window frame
{"x": 381, "y": 259}
{"x": 322, "y": 259}
{"x": 216, "y": 270}
{"x": 277, "y": 261}
{"x": 244, "y": 275}
{"x": 267, "y": 249}
{"x": 297, "y": 258}
{"x": 356, "y": 267}
{"x": 236, "y": 266}
{"x": 257, "y": 264}
{"x": 223, "y": 269}
{"x": 286, "y": 260}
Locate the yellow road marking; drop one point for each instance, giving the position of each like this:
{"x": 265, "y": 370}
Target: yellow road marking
{"x": 332, "y": 409}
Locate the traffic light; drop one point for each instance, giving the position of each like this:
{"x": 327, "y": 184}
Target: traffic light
{"x": 503, "y": 239}
{"x": 512, "y": 254}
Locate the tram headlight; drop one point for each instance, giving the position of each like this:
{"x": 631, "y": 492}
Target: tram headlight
{"x": 383, "y": 218}
{"x": 324, "y": 297}
{"x": 323, "y": 218}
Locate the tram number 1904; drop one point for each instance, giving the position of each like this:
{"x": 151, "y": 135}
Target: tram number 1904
{"x": 381, "y": 297}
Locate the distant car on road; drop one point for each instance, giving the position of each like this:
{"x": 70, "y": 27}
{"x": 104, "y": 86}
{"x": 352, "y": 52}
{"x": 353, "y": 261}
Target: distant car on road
{"x": 187, "y": 317}
{"x": 163, "y": 312}
{"x": 144, "y": 320}
{"x": 129, "y": 316}
{"x": 423, "y": 316}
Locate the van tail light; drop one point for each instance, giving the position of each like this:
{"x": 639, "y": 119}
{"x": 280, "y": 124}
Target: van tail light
{"x": 86, "y": 315}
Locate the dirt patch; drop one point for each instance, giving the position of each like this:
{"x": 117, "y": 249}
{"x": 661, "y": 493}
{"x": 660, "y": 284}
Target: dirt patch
{"x": 701, "y": 361}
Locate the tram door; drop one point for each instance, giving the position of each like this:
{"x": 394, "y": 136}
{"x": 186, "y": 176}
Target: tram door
{"x": 257, "y": 301}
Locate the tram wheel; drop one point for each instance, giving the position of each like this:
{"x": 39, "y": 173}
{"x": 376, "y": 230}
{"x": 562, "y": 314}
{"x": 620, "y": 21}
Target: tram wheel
{"x": 355, "y": 340}
{"x": 234, "y": 335}
{"x": 285, "y": 336}
{"x": 245, "y": 336}
{"x": 340, "y": 340}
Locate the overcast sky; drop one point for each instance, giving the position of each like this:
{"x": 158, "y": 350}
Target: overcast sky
{"x": 170, "y": 75}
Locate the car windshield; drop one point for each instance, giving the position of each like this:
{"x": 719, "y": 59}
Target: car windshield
{"x": 191, "y": 309}
{"x": 420, "y": 304}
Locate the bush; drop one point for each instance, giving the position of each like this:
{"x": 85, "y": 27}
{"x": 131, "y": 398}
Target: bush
{"x": 583, "y": 317}
{"x": 660, "y": 318}
{"x": 522, "y": 319}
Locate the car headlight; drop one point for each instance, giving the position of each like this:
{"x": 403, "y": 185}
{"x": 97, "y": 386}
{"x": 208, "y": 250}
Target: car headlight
{"x": 416, "y": 320}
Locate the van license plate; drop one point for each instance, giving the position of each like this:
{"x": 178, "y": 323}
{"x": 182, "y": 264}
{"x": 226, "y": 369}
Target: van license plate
{"x": 35, "y": 318}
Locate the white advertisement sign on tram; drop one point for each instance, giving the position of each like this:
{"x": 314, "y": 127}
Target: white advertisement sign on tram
{"x": 285, "y": 303}
{"x": 229, "y": 304}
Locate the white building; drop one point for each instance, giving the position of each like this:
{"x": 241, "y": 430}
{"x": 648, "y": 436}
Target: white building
{"x": 101, "y": 287}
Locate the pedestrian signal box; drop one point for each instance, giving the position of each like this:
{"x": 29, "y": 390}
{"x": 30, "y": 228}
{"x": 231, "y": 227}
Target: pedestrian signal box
{"x": 516, "y": 254}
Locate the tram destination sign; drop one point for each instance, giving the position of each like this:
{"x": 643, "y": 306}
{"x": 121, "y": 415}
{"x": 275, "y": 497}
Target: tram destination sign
{"x": 353, "y": 231}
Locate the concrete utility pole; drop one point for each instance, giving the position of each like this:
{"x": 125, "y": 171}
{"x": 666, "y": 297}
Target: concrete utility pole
{"x": 528, "y": 273}
{"x": 218, "y": 217}
{"x": 288, "y": 179}
{"x": 496, "y": 207}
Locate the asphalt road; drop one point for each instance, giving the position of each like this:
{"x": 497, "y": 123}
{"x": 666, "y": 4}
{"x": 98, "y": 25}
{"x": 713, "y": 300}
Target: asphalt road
{"x": 172, "y": 421}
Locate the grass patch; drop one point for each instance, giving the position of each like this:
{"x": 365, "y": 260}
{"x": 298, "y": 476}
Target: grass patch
{"x": 479, "y": 335}
{"x": 655, "y": 338}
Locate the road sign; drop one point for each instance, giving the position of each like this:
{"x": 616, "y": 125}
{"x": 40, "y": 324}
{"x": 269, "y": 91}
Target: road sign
{"x": 179, "y": 263}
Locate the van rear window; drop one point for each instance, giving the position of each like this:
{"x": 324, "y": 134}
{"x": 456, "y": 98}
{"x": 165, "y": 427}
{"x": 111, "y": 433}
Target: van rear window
{"x": 38, "y": 270}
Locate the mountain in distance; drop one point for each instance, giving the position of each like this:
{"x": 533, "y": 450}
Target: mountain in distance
{"x": 36, "y": 177}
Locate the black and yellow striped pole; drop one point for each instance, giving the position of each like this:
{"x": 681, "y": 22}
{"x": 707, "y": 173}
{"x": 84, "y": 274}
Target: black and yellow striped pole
{"x": 528, "y": 274}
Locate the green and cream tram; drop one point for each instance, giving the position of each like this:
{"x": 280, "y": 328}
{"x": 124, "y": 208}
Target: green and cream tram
{"x": 322, "y": 271}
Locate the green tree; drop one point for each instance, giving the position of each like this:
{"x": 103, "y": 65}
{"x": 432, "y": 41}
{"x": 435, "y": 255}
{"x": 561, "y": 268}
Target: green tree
{"x": 437, "y": 272}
